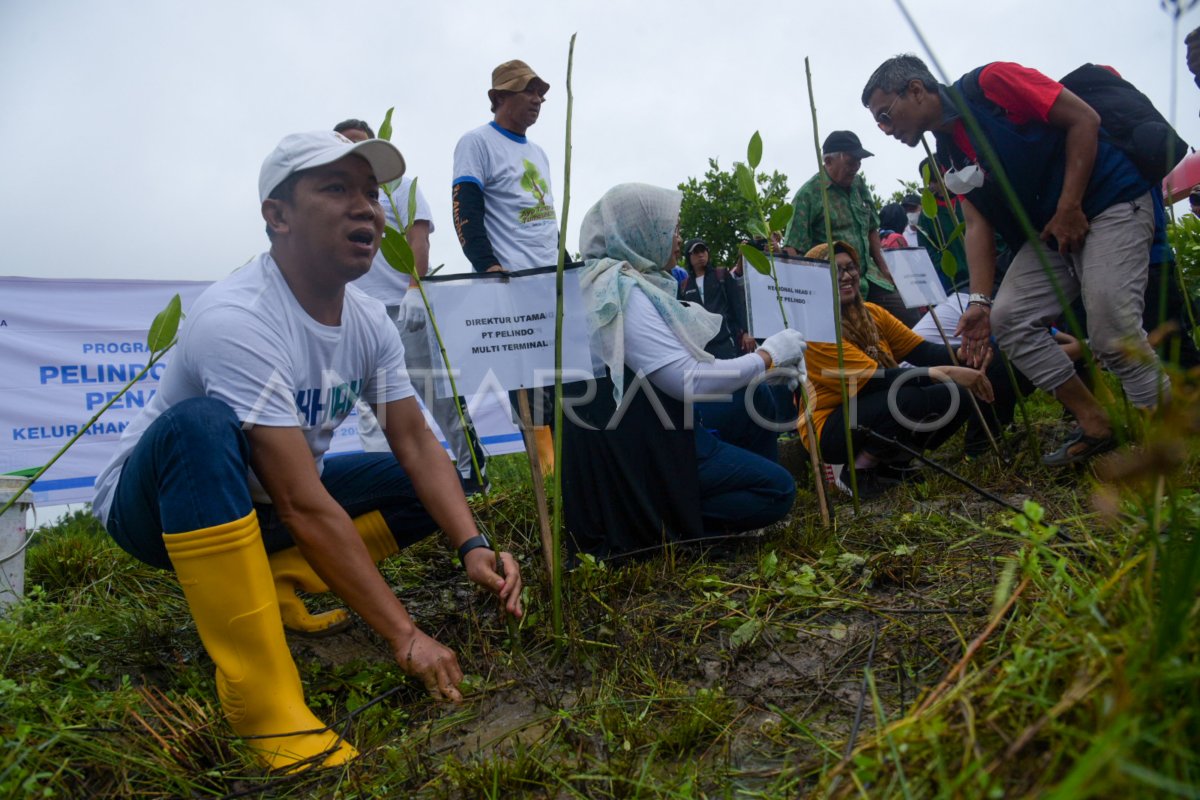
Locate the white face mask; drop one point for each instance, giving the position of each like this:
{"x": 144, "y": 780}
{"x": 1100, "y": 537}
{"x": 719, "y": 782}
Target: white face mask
{"x": 961, "y": 181}
{"x": 913, "y": 218}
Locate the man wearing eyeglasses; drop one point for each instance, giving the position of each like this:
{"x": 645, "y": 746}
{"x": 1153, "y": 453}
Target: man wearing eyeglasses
{"x": 1089, "y": 202}
{"x": 852, "y": 214}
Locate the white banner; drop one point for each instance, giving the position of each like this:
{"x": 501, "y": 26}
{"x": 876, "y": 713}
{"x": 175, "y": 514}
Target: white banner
{"x": 66, "y": 346}
{"x": 915, "y": 277}
{"x": 500, "y": 332}
{"x": 807, "y": 296}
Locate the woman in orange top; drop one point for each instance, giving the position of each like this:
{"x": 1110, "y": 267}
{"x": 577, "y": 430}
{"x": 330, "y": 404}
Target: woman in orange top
{"x": 920, "y": 406}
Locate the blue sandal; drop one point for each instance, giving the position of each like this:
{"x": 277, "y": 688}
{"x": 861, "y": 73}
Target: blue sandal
{"x": 1093, "y": 446}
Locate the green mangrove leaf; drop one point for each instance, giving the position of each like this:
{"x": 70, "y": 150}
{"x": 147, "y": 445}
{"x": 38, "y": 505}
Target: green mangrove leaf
{"x": 770, "y": 564}
{"x": 781, "y": 216}
{"x": 959, "y": 230}
{"x": 928, "y": 204}
{"x": 754, "y": 150}
{"x": 412, "y": 203}
{"x": 949, "y": 264}
{"x": 385, "y": 129}
{"x": 756, "y": 258}
{"x": 757, "y": 226}
{"x": 396, "y": 251}
{"x": 926, "y": 177}
{"x": 746, "y": 632}
{"x": 165, "y": 326}
{"x": 745, "y": 182}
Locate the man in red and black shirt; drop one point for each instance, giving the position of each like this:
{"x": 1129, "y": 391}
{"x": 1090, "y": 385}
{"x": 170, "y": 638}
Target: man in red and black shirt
{"x": 1083, "y": 195}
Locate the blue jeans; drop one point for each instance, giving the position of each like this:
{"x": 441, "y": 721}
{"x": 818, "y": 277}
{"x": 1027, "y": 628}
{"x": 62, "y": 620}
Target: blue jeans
{"x": 739, "y": 491}
{"x": 732, "y": 422}
{"x": 189, "y": 469}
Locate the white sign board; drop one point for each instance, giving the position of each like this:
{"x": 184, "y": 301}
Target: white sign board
{"x": 915, "y": 277}
{"x": 500, "y": 331}
{"x": 807, "y": 295}
{"x": 67, "y": 345}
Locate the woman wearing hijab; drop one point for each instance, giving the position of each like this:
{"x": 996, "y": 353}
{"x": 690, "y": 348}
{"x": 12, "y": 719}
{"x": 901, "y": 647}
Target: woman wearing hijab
{"x": 638, "y": 473}
{"x": 920, "y": 408}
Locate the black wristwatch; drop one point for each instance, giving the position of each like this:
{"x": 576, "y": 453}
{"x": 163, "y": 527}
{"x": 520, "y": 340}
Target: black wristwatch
{"x": 471, "y": 544}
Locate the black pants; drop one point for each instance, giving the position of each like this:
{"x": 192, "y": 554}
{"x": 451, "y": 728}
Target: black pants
{"x": 919, "y": 402}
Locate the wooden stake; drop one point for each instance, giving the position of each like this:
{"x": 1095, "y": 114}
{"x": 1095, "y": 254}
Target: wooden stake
{"x": 535, "y": 477}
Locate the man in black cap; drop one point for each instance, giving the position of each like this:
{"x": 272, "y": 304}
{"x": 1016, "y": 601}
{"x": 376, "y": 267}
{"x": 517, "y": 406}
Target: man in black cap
{"x": 853, "y": 216}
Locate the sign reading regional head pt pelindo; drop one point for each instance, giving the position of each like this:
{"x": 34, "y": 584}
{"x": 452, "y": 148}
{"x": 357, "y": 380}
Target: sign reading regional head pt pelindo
{"x": 500, "y": 331}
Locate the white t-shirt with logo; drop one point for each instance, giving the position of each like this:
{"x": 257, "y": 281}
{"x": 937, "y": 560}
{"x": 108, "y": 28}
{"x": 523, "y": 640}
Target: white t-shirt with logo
{"x": 248, "y": 343}
{"x": 382, "y": 282}
{"x": 520, "y": 222}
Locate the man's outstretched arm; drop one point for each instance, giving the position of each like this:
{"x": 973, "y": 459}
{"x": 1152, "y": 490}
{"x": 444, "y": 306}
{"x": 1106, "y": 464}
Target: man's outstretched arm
{"x": 440, "y": 492}
{"x": 330, "y": 543}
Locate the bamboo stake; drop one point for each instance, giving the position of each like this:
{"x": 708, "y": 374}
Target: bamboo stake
{"x": 837, "y": 306}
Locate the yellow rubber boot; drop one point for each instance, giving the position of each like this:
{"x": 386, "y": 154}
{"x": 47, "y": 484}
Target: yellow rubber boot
{"x": 545, "y": 448}
{"x": 376, "y": 535}
{"x": 292, "y": 572}
{"x": 225, "y": 577}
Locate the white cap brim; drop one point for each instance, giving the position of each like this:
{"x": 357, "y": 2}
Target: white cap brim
{"x": 301, "y": 151}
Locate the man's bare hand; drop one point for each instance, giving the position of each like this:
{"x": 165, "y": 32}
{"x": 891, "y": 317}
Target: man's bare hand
{"x": 480, "y": 565}
{"x": 748, "y": 344}
{"x": 496, "y": 268}
{"x": 1068, "y": 227}
{"x": 975, "y": 328}
{"x": 432, "y": 663}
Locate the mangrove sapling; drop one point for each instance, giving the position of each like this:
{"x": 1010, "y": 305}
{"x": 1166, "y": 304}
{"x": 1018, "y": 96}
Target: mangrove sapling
{"x": 833, "y": 278}
{"x": 759, "y": 225}
{"x": 399, "y": 256}
{"x": 159, "y": 340}
{"x": 556, "y": 527}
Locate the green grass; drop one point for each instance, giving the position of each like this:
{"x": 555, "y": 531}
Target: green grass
{"x": 935, "y": 645}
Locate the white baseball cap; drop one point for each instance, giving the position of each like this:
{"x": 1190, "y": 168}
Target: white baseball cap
{"x": 300, "y": 151}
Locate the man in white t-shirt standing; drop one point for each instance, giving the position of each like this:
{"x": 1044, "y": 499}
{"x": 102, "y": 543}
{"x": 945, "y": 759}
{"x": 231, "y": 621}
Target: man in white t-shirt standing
{"x": 406, "y": 308}
{"x": 503, "y": 205}
{"x": 227, "y": 462}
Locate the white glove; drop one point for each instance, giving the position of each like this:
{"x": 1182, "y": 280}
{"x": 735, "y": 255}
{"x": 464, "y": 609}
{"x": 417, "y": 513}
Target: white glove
{"x": 412, "y": 310}
{"x": 785, "y": 348}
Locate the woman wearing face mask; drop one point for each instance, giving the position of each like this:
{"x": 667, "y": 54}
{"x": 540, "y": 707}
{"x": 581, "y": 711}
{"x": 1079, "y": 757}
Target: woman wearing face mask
{"x": 920, "y": 408}
{"x": 637, "y": 473}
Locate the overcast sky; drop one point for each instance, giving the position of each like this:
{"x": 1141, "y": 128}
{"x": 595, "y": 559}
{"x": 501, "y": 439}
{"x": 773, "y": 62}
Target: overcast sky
{"x": 131, "y": 133}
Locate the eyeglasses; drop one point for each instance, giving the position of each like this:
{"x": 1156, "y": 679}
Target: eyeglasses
{"x": 851, "y": 269}
{"x": 885, "y": 117}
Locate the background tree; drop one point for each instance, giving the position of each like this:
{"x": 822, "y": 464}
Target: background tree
{"x": 906, "y": 187}
{"x": 716, "y": 211}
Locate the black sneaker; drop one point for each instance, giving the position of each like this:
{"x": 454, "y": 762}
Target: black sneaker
{"x": 472, "y": 486}
{"x": 904, "y": 472}
{"x": 871, "y": 482}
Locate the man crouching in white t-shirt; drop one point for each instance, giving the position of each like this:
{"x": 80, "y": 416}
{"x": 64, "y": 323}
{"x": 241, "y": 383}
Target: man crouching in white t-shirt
{"x": 227, "y": 463}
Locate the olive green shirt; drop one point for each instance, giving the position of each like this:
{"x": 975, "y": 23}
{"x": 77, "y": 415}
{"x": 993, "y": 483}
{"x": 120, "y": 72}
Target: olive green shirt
{"x": 852, "y": 213}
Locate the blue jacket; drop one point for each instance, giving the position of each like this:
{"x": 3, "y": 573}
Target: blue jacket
{"x": 1033, "y": 155}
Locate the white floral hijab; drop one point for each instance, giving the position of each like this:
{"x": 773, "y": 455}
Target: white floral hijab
{"x": 627, "y": 238}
